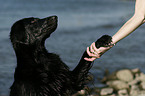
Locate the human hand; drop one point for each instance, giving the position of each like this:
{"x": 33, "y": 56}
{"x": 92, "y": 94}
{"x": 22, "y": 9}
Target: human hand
{"x": 95, "y": 53}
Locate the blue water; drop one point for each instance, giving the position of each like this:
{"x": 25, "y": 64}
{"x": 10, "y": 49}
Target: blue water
{"x": 80, "y": 23}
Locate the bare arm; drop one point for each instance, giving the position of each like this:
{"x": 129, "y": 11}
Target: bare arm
{"x": 128, "y": 28}
{"x": 133, "y": 23}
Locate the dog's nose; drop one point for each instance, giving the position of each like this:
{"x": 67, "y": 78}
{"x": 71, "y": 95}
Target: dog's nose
{"x": 54, "y": 17}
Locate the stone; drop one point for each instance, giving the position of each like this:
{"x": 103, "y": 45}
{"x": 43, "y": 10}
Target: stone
{"x": 135, "y": 87}
{"x": 134, "y": 93}
{"x": 134, "y": 82}
{"x": 123, "y": 92}
{"x": 137, "y": 75}
{"x": 141, "y": 93}
{"x": 125, "y": 82}
{"x": 125, "y": 75}
{"x": 82, "y": 92}
{"x": 142, "y": 77}
{"x": 134, "y": 90}
{"x": 118, "y": 84}
{"x": 106, "y": 91}
{"x": 112, "y": 95}
{"x": 136, "y": 70}
{"x": 143, "y": 85}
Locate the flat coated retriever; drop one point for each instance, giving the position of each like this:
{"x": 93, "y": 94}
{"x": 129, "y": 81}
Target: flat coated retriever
{"x": 38, "y": 72}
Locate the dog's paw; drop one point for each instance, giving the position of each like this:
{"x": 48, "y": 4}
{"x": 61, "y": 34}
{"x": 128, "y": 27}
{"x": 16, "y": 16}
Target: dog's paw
{"x": 104, "y": 41}
{"x": 98, "y": 48}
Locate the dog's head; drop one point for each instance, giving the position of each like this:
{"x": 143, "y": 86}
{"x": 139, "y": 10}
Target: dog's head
{"x": 32, "y": 30}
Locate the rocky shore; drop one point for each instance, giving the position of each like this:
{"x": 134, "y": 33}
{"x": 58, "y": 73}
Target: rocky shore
{"x": 125, "y": 82}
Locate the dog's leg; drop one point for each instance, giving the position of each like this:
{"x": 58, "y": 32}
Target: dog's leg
{"x": 98, "y": 48}
{"x": 81, "y": 71}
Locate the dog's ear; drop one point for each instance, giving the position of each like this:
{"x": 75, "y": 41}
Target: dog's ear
{"x": 17, "y": 33}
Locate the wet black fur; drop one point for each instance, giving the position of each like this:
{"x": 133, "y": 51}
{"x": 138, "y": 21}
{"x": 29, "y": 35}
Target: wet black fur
{"x": 38, "y": 72}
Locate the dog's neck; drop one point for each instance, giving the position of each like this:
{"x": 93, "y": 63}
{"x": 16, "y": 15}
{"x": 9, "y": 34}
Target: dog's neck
{"x": 27, "y": 54}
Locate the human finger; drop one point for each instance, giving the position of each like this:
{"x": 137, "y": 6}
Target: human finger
{"x": 92, "y": 50}
{"x": 90, "y": 59}
{"x": 92, "y": 54}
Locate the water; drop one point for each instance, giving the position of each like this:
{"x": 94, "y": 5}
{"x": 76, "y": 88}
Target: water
{"x": 80, "y": 23}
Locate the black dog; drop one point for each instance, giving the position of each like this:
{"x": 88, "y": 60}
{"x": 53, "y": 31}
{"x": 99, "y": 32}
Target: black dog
{"x": 39, "y": 73}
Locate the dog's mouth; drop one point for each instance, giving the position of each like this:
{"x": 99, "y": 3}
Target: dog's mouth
{"x": 50, "y": 24}
{"x": 50, "y": 21}
{"x": 47, "y": 26}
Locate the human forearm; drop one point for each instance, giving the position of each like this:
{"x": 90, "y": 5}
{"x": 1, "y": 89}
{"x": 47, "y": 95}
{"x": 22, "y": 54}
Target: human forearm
{"x": 124, "y": 31}
{"x": 128, "y": 28}
{"x": 132, "y": 24}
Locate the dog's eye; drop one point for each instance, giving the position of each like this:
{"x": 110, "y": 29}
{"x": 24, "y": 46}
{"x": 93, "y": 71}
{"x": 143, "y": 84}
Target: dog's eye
{"x": 34, "y": 21}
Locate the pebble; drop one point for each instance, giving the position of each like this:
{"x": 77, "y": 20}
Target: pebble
{"x": 106, "y": 91}
{"x": 125, "y": 75}
{"x": 118, "y": 84}
{"x": 123, "y": 92}
{"x": 125, "y": 82}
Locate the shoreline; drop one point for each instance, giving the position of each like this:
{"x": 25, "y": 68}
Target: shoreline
{"x": 124, "y": 82}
